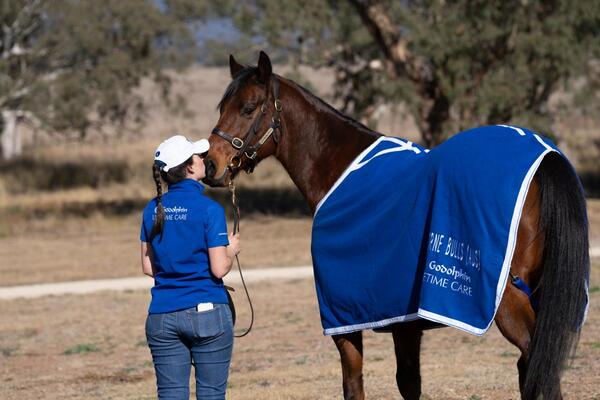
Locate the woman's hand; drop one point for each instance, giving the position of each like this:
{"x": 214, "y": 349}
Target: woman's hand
{"x": 234, "y": 245}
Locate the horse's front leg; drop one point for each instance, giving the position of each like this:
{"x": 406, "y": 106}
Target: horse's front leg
{"x": 351, "y": 354}
{"x": 407, "y": 344}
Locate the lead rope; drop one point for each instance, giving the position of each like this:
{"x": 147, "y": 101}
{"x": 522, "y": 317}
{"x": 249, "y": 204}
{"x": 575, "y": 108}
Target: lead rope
{"x": 236, "y": 227}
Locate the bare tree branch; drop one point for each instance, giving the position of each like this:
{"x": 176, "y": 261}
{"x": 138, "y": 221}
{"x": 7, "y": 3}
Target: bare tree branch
{"x": 24, "y": 24}
{"x": 389, "y": 39}
{"x": 28, "y": 8}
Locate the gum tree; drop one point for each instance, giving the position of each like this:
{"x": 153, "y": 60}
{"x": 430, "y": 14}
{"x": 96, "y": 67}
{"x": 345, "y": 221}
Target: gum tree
{"x": 453, "y": 64}
{"x": 69, "y": 65}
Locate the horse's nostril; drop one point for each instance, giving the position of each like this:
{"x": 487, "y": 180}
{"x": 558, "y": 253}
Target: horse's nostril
{"x": 210, "y": 167}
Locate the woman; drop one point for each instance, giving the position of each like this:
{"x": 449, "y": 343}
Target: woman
{"x": 185, "y": 247}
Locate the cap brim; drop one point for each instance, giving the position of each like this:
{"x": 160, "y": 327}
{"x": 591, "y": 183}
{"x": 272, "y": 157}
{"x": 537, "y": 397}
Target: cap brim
{"x": 201, "y": 146}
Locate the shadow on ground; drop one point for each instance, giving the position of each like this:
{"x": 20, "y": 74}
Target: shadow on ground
{"x": 271, "y": 201}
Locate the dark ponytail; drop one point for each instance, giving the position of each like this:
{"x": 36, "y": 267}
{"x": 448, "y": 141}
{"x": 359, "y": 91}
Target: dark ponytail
{"x": 159, "y": 221}
{"x": 174, "y": 175}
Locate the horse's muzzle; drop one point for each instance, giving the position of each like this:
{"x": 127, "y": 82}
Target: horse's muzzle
{"x": 211, "y": 170}
{"x": 210, "y": 167}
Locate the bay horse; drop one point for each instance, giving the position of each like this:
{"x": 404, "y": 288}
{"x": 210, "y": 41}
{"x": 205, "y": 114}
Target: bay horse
{"x": 263, "y": 114}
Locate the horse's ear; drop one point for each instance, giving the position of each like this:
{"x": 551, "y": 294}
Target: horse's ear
{"x": 234, "y": 66}
{"x": 264, "y": 67}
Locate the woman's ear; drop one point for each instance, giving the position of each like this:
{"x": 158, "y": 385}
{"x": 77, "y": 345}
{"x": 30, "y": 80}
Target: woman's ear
{"x": 189, "y": 169}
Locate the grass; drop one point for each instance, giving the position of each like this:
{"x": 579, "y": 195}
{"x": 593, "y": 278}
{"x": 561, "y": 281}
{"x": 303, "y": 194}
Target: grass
{"x": 56, "y": 249}
{"x": 8, "y": 351}
{"x": 83, "y": 348}
{"x": 111, "y": 173}
{"x": 65, "y": 248}
{"x": 278, "y": 360}
{"x": 593, "y": 207}
{"x": 81, "y": 183}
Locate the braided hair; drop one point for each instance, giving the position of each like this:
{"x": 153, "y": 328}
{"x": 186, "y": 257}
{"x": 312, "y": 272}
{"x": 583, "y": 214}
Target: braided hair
{"x": 159, "y": 221}
{"x": 174, "y": 175}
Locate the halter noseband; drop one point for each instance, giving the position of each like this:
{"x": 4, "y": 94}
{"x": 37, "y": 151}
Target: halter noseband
{"x": 243, "y": 146}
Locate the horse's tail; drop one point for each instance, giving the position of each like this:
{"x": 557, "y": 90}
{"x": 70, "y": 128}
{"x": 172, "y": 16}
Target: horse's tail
{"x": 563, "y": 289}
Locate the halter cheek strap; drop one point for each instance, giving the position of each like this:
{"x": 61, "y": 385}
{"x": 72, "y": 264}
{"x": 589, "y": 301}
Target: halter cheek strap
{"x": 243, "y": 146}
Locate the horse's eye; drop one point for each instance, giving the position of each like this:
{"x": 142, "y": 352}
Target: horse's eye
{"x": 248, "y": 109}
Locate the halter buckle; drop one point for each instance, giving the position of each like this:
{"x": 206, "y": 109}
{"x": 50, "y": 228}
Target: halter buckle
{"x": 278, "y": 107}
{"x": 250, "y": 156}
{"x": 237, "y": 143}
{"x": 232, "y": 162}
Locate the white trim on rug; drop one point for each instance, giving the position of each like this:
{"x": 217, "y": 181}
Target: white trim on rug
{"x": 370, "y": 325}
{"x": 431, "y": 316}
{"x": 514, "y": 226}
{"x": 358, "y": 162}
{"x": 509, "y": 253}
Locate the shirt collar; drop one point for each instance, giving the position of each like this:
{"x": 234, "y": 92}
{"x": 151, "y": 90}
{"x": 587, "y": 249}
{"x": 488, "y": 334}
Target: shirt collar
{"x": 186, "y": 185}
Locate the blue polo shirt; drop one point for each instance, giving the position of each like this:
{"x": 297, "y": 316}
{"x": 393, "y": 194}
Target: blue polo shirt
{"x": 193, "y": 224}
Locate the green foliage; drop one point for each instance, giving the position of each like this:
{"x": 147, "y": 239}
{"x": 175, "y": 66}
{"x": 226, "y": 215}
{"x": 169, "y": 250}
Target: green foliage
{"x": 454, "y": 64}
{"x": 28, "y": 174}
{"x": 8, "y": 351}
{"x": 69, "y": 65}
{"x": 82, "y": 349}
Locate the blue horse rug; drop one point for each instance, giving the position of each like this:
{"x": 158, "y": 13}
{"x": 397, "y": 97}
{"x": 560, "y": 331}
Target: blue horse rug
{"x": 408, "y": 233}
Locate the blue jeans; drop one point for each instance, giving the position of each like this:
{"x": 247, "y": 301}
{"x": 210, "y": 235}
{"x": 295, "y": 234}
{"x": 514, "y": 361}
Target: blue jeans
{"x": 177, "y": 338}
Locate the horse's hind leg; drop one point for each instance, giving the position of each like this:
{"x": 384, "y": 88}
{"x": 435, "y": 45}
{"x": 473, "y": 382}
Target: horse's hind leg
{"x": 351, "y": 354}
{"x": 407, "y": 345}
{"x": 515, "y": 317}
{"x": 516, "y": 320}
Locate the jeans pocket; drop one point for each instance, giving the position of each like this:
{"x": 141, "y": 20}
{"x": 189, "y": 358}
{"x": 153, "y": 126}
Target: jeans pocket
{"x": 206, "y": 324}
{"x": 154, "y": 324}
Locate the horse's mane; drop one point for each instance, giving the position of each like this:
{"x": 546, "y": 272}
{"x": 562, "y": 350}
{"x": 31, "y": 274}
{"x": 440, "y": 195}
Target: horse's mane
{"x": 317, "y": 101}
{"x": 248, "y": 72}
{"x": 236, "y": 84}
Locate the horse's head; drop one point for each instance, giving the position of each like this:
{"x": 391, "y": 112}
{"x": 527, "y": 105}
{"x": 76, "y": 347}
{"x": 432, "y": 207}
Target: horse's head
{"x": 249, "y": 124}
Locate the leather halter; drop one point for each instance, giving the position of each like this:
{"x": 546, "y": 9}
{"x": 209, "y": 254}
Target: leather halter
{"x": 250, "y": 151}
{"x": 244, "y": 146}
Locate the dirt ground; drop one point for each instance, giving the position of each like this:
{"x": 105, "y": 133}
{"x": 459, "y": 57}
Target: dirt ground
{"x": 93, "y": 346}
{"x": 99, "y": 247}
{"x": 57, "y": 250}
{"x": 82, "y": 347}
{"x": 594, "y": 221}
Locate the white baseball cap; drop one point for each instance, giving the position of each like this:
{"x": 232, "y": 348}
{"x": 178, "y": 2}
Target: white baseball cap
{"x": 177, "y": 149}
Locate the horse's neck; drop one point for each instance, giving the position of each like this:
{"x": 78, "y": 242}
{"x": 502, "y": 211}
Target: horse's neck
{"x": 319, "y": 143}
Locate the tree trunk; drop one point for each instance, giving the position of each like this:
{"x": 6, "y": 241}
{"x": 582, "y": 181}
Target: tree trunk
{"x": 11, "y": 138}
{"x": 433, "y": 113}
